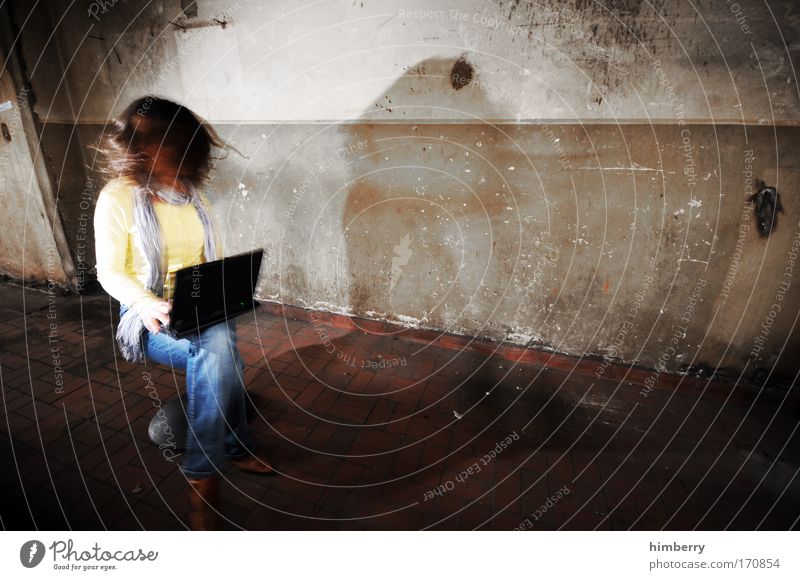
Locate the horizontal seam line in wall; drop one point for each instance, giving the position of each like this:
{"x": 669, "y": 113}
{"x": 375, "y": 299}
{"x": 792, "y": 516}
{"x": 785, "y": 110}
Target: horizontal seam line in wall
{"x": 779, "y": 123}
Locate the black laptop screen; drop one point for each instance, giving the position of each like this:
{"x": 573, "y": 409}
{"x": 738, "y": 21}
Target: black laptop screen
{"x": 210, "y": 292}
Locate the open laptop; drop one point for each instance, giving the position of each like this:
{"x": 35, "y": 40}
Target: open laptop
{"x": 209, "y": 293}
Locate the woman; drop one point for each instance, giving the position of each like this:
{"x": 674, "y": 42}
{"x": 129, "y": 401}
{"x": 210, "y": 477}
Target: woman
{"x": 150, "y": 220}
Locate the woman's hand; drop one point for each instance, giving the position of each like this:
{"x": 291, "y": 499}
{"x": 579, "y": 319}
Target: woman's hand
{"x": 153, "y": 313}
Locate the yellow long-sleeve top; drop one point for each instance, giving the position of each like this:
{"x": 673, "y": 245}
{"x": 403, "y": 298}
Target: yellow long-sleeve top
{"x": 121, "y": 263}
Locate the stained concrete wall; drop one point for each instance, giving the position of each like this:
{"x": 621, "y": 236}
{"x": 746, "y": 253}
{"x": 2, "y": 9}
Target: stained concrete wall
{"x": 557, "y": 174}
{"x": 32, "y": 244}
{"x": 247, "y": 61}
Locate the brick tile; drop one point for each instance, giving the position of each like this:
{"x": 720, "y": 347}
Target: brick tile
{"x": 634, "y": 475}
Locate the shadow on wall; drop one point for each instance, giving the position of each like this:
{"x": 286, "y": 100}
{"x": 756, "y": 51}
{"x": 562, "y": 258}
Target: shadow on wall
{"x": 431, "y": 226}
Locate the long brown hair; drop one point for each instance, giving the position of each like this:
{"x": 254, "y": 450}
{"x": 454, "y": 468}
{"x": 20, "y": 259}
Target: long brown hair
{"x": 179, "y": 135}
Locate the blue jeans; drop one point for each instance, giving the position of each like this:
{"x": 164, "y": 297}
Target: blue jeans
{"x": 216, "y": 412}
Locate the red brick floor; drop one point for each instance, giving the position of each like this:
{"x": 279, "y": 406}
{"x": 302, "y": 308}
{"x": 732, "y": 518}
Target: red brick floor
{"x": 407, "y": 446}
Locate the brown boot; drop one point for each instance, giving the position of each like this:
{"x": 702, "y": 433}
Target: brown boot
{"x": 254, "y": 463}
{"x": 204, "y": 502}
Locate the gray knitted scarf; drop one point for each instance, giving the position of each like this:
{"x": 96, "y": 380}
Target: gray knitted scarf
{"x": 131, "y": 327}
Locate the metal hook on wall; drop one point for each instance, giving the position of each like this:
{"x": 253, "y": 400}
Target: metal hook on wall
{"x": 766, "y": 205}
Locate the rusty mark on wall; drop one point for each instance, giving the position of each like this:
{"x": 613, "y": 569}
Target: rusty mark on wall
{"x": 461, "y": 74}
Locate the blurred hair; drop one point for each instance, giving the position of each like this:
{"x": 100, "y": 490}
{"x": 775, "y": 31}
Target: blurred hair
{"x": 178, "y": 136}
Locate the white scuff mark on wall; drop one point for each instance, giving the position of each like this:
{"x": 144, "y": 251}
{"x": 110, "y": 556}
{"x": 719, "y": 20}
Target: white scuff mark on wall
{"x": 634, "y": 167}
{"x": 328, "y": 307}
{"x": 410, "y": 320}
{"x": 523, "y": 337}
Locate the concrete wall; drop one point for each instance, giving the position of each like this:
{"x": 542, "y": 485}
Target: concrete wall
{"x": 32, "y": 244}
{"x": 334, "y": 60}
{"x": 551, "y": 173}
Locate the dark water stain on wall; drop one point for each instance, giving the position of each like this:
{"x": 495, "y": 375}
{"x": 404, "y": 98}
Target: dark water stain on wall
{"x": 626, "y": 23}
{"x": 461, "y": 73}
{"x": 606, "y": 40}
